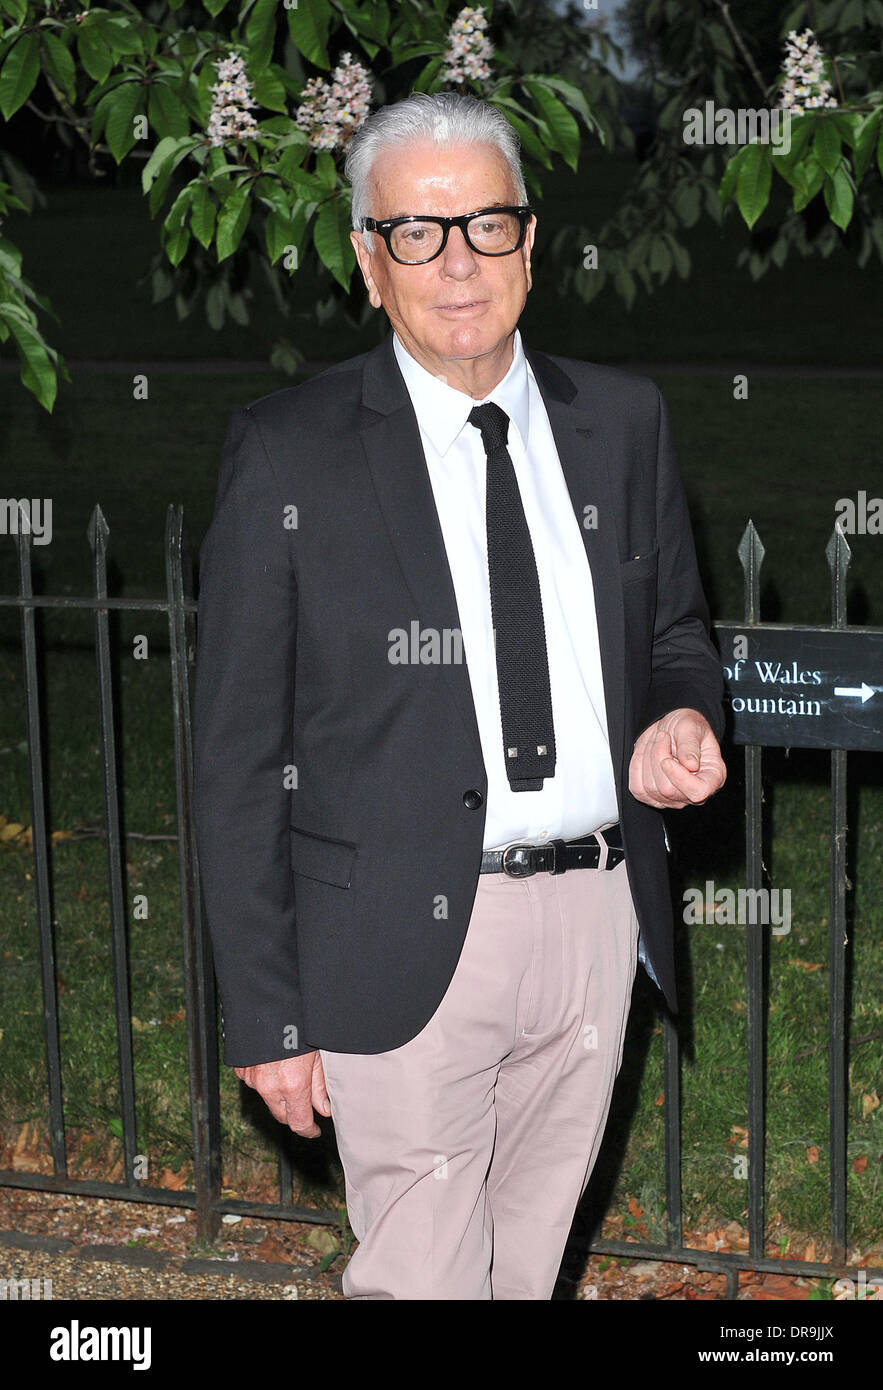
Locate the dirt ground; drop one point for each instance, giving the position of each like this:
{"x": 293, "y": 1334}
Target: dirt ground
{"x": 92, "y": 1248}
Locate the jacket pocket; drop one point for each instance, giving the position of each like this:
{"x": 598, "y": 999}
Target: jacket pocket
{"x": 316, "y": 856}
{"x": 640, "y": 566}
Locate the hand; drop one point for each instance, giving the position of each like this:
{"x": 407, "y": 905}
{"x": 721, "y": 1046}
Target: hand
{"x": 292, "y": 1088}
{"x": 676, "y": 762}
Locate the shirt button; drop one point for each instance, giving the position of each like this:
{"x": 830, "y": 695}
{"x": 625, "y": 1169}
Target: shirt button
{"x": 472, "y": 798}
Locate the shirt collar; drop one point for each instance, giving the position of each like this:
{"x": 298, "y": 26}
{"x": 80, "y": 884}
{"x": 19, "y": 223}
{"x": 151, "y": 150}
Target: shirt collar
{"x": 442, "y": 410}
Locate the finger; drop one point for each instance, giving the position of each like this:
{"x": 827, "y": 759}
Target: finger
{"x": 692, "y": 787}
{"x": 302, "y": 1123}
{"x": 321, "y": 1098}
{"x": 688, "y": 752}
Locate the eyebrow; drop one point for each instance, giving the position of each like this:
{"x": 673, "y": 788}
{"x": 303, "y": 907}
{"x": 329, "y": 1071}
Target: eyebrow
{"x": 499, "y": 203}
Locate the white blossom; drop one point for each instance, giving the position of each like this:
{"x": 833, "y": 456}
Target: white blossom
{"x": 232, "y": 104}
{"x": 330, "y": 113}
{"x": 468, "y": 48}
{"x": 805, "y": 87}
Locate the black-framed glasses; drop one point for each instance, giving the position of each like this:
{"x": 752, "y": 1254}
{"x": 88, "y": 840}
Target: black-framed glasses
{"x": 416, "y": 239}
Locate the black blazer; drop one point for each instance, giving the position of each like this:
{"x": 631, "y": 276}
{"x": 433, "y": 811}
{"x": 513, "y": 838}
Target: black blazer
{"x": 339, "y": 797}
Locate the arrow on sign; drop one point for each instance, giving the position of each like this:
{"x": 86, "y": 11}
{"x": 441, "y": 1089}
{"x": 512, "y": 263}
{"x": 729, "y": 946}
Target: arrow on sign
{"x": 864, "y": 690}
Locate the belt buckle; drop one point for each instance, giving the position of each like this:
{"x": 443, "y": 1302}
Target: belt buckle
{"x": 520, "y": 868}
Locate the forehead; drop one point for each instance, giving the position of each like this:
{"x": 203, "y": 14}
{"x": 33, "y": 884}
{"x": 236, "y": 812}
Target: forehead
{"x": 440, "y": 179}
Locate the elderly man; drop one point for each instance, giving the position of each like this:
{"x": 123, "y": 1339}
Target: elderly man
{"x": 453, "y": 663}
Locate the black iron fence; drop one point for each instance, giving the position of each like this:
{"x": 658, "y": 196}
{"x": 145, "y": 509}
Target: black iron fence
{"x": 757, "y": 721}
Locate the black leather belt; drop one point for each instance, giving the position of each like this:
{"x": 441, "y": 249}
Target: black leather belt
{"x": 520, "y": 861}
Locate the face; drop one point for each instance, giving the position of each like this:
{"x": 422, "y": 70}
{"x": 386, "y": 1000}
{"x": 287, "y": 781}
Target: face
{"x": 461, "y": 306}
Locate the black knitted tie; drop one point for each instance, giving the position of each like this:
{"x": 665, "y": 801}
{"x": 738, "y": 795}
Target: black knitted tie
{"x": 517, "y": 610}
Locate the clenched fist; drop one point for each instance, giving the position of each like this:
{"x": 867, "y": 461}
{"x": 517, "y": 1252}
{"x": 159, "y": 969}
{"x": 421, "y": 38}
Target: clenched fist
{"x": 676, "y": 762}
{"x": 292, "y": 1088}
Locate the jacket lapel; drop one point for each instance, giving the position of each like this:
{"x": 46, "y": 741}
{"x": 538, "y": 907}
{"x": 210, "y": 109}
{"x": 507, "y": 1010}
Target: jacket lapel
{"x": 394, "y": 450}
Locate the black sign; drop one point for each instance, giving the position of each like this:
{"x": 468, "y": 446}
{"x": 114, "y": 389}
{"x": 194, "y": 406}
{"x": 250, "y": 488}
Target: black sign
{"x": 803, "y": 687}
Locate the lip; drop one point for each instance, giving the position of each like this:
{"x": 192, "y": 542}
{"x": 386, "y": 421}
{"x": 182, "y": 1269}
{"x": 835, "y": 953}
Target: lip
{"x": 468, "y": 306}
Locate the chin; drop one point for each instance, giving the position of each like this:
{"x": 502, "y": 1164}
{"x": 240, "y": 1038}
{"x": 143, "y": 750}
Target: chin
{"x": 470, "y": 341}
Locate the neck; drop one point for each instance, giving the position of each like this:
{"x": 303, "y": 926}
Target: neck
{"x": 475, "y": 376}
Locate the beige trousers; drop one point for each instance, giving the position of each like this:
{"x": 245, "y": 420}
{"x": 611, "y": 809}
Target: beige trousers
{"x": 466, "y": 1151}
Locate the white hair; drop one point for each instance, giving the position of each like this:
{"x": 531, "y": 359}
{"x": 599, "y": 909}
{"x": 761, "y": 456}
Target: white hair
{"x": 445, "y": 118}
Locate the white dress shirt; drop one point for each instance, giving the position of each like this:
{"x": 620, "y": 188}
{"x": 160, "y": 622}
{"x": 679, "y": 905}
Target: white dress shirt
{"x": 581, "y": 797}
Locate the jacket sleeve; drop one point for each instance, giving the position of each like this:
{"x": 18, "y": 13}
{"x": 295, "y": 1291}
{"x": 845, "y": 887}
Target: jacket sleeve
{"x": 242, "y": 741}
{"x": 686, "y": 668}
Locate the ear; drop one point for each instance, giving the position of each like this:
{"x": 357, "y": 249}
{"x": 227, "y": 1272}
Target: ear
{"x": 527, "y": 248}
{"x": 363, "y": 256}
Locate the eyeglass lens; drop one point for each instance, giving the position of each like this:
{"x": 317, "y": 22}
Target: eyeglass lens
{"x": 493, "y": 233}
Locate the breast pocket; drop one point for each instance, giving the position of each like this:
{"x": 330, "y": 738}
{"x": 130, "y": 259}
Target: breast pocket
{"x": 642, "y": 565}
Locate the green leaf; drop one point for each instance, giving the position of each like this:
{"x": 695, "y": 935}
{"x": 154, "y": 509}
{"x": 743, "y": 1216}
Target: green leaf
{"x": 216, "y": 303}
{"x": 37, "y": 367}
{"x": 624, "y": 283}
{"x": 326, "y": 171}
{"x": 214, "y": 7}
{"x": 232, "y": 221}
{"x": 125, "y": 102}
{"x": 16, "y": 9}
{"x": 865, "y": 140}
{"x": 880, "y": 152}
{"x": 308, "y": 26}
{"x": 160, "y": 162}
{"x": 305, "y": 184}
{"x": 19, "y": 73}
{"x": 563, "y": 129}
{"x": 801, "y": 129}
{"x": 203, "y": 215}
{"x": 814, "y": 177}
{"x": 120, "y": 35}
{"x": 687, "y": 203}
{"x": 681, "y": 257}
{"x": 753, "y": 184}
{"x": 660, "y": 258}
{"x": 839, "y": 198}
{"x": 95, "y": 55}
{"x": 269, "y": 90}
{"x": 826, "y": 145}
{"x": 573, "y": 96}
{"x": 331, "y": 235}
{"x": 175, "y": 235}
{"x": 59, "y": 64}
{"x": 260, "y": 33}
{"x": 730, "y": 178}
{"x": 526, "y": 133}
{"x": 283, "y": 231}
{"x": 167, "y": 114}
{"x": 427, "y": 75}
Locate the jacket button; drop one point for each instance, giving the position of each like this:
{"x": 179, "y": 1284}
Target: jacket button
{"x": 472, "y": 798}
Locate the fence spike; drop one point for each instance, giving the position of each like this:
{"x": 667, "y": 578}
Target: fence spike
{"x": 751, "y": 552}
{"x": 838, "y": 555}
{"x": 837, "y": 551}
{"x": 98, "y": 529}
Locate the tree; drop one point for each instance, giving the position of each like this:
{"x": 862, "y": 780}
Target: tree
{"x": 241, "y": 112}
{"x": 178, "y": 85}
